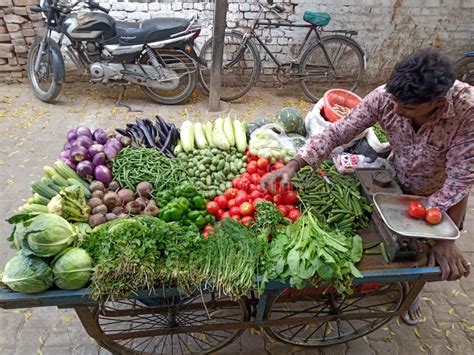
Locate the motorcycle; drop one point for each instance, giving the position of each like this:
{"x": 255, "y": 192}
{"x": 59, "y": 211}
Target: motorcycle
{"x": 464, "y": 68}
{"x": 156, "y": 54}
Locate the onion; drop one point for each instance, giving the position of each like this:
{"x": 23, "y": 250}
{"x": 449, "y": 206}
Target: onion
{"x": 102, "y": 173}
{"x": 85, "y": 168}
{"x": 100, "y": 136}
{"x": 95, "y": 148}
{"x": 78, "y": 153}
{"x": 99, "y": 159}
{"x": 71, "y": 135}
{"x": 84, "y": 131}
{"x": 84, "y": 141}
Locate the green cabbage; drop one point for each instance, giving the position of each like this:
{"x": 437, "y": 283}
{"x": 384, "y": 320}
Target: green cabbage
{"x": 27, "y": 274}
{"x": 47, "y": 234}
{"x": 72, "y": 269}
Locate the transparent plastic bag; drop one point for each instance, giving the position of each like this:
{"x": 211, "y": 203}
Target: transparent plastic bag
{"x": 271, "y": 141}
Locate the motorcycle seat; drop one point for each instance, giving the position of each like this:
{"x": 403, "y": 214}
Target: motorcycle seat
{"x": 148, "y": 31}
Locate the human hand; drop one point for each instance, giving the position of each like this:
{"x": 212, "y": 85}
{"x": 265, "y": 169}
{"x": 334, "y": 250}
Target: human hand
{"x": 447, "y": 255}
{"x": 283, "y": 176}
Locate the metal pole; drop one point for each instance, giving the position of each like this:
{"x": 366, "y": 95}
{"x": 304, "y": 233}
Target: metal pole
{"x": 220, "y": 14}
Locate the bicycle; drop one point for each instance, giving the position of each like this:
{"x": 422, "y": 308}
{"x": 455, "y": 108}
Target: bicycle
{"x": 333, "y": 61}
{"x": 464, "y": 68}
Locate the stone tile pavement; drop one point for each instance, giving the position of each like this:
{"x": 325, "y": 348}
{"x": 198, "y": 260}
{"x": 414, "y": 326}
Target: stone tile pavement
{"x": 32, "y": 136}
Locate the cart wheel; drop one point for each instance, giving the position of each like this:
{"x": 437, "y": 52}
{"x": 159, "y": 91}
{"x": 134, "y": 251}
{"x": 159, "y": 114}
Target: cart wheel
{"x": 171, "y": 325}
{"x": 336, "y": 319}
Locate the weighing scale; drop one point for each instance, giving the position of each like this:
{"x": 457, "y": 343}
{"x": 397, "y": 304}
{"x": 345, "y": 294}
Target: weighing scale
{"x": 398, "y": 247}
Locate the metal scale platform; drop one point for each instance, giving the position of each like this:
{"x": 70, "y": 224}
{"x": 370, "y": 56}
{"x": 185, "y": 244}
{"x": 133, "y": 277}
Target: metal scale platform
{"x": 398, "y": 247}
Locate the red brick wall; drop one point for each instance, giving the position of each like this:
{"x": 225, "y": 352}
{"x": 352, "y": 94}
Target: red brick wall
{"x": 18, "y": 28}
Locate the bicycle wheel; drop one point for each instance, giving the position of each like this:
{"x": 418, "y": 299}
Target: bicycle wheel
{"x": 464, "y": 68}
{"x": 335, "y": 62}
{"x": 240, "y": 67}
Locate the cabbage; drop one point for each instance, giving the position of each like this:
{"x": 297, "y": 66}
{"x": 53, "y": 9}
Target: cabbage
{"x": 72, "y": 269}
{"x": 47, "y": 234}
{"x": 27, "y": 274}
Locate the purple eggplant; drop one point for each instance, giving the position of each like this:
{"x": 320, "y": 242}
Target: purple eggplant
{"x": 67, "y": 145}
{"x": 79, "y": 153}
{"x": 114, "y": 142}
{"x": 99, "y": 159}
{"x": 100, "y": 136}
{"x": 85, "y": 168}
{"x": 69, "y": 163}
{"x": 71, "y": 135}
{"x": 103, "y": 174}
{"x": 125, "y": 141}
{"x": 65, "y": 154}
{"x": 84, "y": 141}
{"x": 95, "y": 148}
{"x": 110, "y": 151}
{"x": 84, "y": 131}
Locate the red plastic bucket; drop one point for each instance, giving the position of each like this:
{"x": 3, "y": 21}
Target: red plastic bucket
{"x": 340, "y": 97}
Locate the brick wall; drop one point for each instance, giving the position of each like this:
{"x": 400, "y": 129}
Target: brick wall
{"x": 388, "y": 29}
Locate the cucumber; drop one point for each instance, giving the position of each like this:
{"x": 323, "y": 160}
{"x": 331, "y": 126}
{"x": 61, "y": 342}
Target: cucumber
{"x": 74, "y": 182}
{"x": 43, "y": 190}
{"x": 67, "y": 173}
{"x": 38, "y": 199}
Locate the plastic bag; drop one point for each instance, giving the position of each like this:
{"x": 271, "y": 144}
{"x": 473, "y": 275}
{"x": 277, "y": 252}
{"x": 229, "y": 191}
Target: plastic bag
{"x": 271, "y": 141}
{"x": 374, "y": 142}
{"x": 316, "y": 124}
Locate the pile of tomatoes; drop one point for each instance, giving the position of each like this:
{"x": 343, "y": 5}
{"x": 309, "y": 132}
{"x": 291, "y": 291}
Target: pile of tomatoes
{"x": 239, "y": 201}
{"x": 417, "y": 210}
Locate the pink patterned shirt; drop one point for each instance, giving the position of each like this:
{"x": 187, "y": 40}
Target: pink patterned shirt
{"x": 436, "y": 161}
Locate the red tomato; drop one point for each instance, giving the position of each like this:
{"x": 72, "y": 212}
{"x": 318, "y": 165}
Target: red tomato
{"x": 255, "y": 179}
{"x": 205, "y": 235}
{"x": 208, "y": 228}
{"x": 277, "y": 199}
{"x": 290, "y": 198}
{"x": 262, "y": 163}
{"x": 242, "y": 197}
{"x": 283, "y": 209}
{"x": 247, "y": 221}
{"x": 294, "y": 214}
{"x": 416, "y": 209}
{"x": 277, "y": 166}
{"x": 219, "y": 213}
{"x": 236, "y": 217}
{"x": 259, "y": 188}
{"x": 252, "y": 167}
{"x": 268, "y": 197}
{"x": 255, "y": 194}
{"x": 245, "y": 184}
{"x": 212, "y": 207}
{"x": 230, "y": 193}
{"x": 221, "y": 201}
{"x": 236, "y": 183}
{"x": 433, "y": 215}
{"x": 231, "y": 203}
{"x": 245, "y": 176}
{"x": 261, "y": 172}
{"x": 266, "y": 174}
{"x": 225, "y": 215}
{"x": 235, "y": 211}
{"x": 257, "y": 200}
{"x": 246, "y": 209}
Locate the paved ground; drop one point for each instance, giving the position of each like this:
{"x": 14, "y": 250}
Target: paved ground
{"x": 32, "y": 136}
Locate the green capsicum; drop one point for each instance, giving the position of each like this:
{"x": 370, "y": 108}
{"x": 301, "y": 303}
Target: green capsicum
{"x": 164, "y": 197}
{"x": 193, "y": 215}
{"x": 199, "y": 202}
{"x": 200, "y": 221}
{"x": 186, "y": 190}
{"x": 169, "y": 214}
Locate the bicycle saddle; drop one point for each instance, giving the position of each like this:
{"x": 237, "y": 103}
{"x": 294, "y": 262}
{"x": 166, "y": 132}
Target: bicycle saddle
{"x": 317, "y": 18}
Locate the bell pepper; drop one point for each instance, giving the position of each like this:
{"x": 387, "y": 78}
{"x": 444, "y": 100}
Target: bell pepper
{"x": 164, "y": 197}
{"x": 193, "y": 215}
{"x": 186, "y": 190}
{"x": 180, "y": 202}
{"x": 169, "y": 214}
{"x": 200, "y": 221}
{"x": 199, "y": 203}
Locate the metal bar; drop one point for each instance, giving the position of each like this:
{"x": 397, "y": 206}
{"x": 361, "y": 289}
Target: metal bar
{"x": 281, "y": 24}
{"x": 415, "y": 289}
{"x": 86, "y": 315}
{"x": 220, "y": 13}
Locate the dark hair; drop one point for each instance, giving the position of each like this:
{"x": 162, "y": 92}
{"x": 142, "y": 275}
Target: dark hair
{"x": 421, "y": 77}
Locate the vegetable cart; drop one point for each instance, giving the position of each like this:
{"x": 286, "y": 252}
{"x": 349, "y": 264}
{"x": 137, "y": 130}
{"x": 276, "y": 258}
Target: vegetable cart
{"x": 167, "y": 322}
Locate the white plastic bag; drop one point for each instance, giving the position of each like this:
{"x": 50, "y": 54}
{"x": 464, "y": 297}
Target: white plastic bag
{"x": 316, "y": 124}
{"x": 375, "y": 143}
{"x": 346, "y": 163}
{"x": 270, "y": 141}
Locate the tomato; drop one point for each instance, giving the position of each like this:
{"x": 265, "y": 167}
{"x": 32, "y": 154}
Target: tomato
{"x": 257, "y": 200}
{"x": 261, "y": 172}
{"x": 255, "y": 194}
{"x": 205, "y": 235}
{"x": 246, "y": 209}
{"x": 294, "y": 214}
{"x": 252, "y": 187}
{"x": 219, "y": 213}
{"x": 236, "y": 217}
{"x": 416, "y": 209}
{"x": 277, "y": 199}
{"x": 230, "y": 193}
{"x": 242, "y": 197}
{"x": 221, "y": 201}
{"x": 231, "y": 203}
{"x": 236, "y": 183}
{"x": 245, "y": 176}
{"x": 212, "y": 207}
{"x": 283, "y": 209}
{"x": 235, "y": 211}
{"x": 290, "y": 198}
{"x": 247, "y": 221}
{"x": 265, "y": 175}
{"x": 268, "y": 197}
{"x": 262, "y": 163}
{"x": 245, "y": 184}
{"x": 277, "y": 166}
{"x": 433, "y": 215}
{"x": 225, "y": 215}
{"x": 259, "y": 188}
{"x": 255, "y": 179}
{"x": 252, "y": 167}
{"x": 208, "y": 228}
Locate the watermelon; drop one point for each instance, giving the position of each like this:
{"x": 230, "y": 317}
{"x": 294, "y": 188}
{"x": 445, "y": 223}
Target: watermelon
{"x": 259, "y": 122}
{"x": 290, "y": 119}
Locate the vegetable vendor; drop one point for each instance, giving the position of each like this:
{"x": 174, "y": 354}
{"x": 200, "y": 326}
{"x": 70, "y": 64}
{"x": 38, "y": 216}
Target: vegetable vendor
{"x": 429, "y": 120}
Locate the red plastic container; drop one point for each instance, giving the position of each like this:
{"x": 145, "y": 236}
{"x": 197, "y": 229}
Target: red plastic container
{"x": 341, "y": 97}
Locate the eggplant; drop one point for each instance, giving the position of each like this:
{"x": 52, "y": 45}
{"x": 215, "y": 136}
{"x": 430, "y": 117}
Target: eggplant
{"x": 146, "y": 133}
{"x": 100, "y": 136}
{"x": 151, "y": 127}
{"x": 167, "y": 141}
{"x": 84, "y": 131}
{"x": 85, "y": 168}
{"x": 162, "y": 125}
{"x": 99, "y": 159}
{"x": 133, "y": 136}
{"x": 123, "y": 132}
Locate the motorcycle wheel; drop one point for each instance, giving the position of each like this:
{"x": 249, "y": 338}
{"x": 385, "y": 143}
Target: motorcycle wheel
{"x": 183, "y": 66}
{"x": 44, "y": 86}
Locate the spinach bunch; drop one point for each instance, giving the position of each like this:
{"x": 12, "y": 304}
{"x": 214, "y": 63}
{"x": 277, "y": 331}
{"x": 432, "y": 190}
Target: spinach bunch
{"x": 305, "y": 253}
